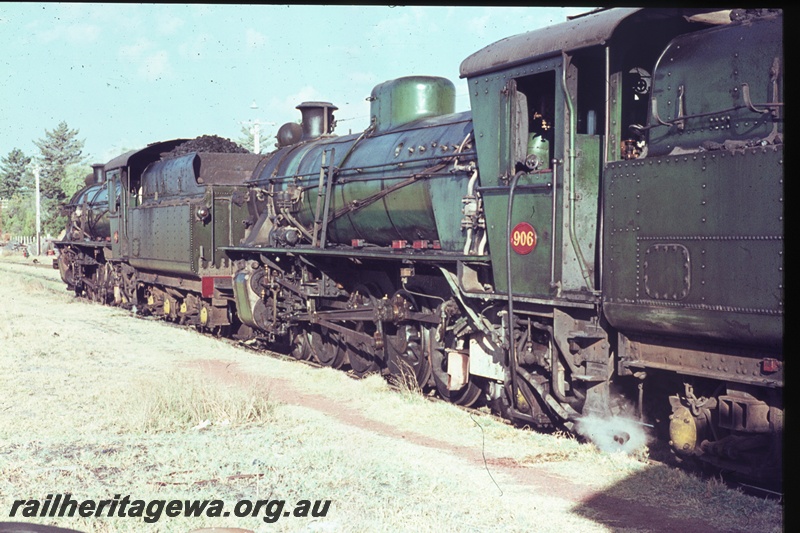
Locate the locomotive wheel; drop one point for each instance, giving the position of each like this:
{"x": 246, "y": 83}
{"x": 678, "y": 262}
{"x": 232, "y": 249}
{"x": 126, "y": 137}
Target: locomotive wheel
{"x": 128, "y": 286}
{"x": 85, "y": 285}
{"x": 326, "y": 347}
{"x": 97, "y": 290}
{"x": 65, "y": 260}
{"x": 466, "y": 396}
{"x": 362, "y": 360}
{"x": 301, "y": 344}
{"x": 406, "y": 354}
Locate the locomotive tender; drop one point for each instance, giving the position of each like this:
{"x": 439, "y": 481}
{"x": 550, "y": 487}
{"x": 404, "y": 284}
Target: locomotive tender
{"x": 601, "y": 234}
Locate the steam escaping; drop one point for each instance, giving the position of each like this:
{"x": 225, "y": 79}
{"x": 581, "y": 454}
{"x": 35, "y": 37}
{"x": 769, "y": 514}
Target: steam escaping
{"x": 615, "y": 434}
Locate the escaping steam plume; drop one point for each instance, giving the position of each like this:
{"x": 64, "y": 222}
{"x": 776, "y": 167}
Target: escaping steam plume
{"x": 615, "y": 434}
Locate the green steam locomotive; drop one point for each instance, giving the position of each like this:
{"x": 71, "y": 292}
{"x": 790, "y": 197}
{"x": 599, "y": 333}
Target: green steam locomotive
{"x": 601, "y": 234}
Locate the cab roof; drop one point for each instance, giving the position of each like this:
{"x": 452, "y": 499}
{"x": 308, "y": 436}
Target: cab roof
{"x": 593, "y": 28}
{"x": 145, "y": 155}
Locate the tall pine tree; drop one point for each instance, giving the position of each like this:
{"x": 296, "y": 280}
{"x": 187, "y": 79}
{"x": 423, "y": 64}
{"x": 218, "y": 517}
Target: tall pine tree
{"x": 13, "y": 181}
{"x": 59, "y": 149}
{"x": 59, "y": 152}
{"x": 13, "y": 168}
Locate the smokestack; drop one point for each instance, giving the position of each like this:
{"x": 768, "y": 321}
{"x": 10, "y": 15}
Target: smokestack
{"x": 97, "y": 171}
{"x": 317, "y": 119}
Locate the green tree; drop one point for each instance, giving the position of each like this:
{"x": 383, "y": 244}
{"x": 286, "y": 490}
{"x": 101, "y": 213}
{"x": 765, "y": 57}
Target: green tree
{"x": 75, "y": 179}
{"x": 60, "y": 151}
{"x": 245, "y": 139}
{"x": 13, "y": 170}
{"x": 14, "y": 179}
{"x": 19, "y": 215}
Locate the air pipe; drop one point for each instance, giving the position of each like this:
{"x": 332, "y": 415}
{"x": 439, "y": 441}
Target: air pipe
{"x": 470, "y": 195}
{"x": 512, "y": 352}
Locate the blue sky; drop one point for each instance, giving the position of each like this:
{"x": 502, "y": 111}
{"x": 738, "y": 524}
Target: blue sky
{"x": 126, "y": 75}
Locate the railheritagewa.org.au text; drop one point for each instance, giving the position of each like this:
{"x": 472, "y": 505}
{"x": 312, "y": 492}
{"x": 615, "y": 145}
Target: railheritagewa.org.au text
{"x": 151, "y": 511}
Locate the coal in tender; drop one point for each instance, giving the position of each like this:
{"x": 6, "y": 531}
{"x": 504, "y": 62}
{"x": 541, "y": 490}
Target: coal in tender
{"x": 205, "y": 143}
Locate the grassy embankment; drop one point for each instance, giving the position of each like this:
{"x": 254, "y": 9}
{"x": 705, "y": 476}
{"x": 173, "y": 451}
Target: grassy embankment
{"x": 96, "y": 403}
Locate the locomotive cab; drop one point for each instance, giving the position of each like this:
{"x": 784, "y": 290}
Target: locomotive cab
{"x": 643, "y": 140}
{"x": 569, "y": 123}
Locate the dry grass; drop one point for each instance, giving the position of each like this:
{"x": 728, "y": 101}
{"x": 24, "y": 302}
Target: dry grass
{"x": 185, "y": 400}
{"x": 98, "y": 403}
{"x": 406, "y": 382}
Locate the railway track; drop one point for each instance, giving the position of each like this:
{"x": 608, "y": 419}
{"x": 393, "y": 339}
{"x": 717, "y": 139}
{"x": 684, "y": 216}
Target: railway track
{"x": 659, "y": 451}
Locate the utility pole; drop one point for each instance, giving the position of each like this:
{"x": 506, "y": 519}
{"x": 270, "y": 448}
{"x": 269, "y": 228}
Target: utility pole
{"x": 36, "y": 170}
{"x": 255, "y": 129}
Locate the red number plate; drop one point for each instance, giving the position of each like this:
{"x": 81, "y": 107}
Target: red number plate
{"x": 523, "y": 238}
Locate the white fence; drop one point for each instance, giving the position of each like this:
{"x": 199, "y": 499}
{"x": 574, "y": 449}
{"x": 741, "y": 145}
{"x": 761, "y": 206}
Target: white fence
{"x": 7, "y": 242}
{"x": 22, "y": 239}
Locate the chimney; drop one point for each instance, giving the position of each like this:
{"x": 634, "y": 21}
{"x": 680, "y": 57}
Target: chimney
{"x": 97, "y": 171}
{"x": 317, "y": 119}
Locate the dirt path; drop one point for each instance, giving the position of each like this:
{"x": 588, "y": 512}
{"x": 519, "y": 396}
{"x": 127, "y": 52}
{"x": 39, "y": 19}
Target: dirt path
{"x": 64, "y": 359}
{"x": 510, "y": 477}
